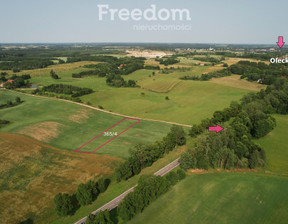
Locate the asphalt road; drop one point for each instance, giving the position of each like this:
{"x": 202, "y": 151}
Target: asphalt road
{"x": 116, "y": 201}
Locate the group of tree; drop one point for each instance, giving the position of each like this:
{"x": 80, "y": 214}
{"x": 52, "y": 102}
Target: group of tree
{"x": 66, "y": 204}
{"x": 15, "y": 81}
{"x": 54, "y": 75}
{"x": 118, "y": 81}
{"x": 230, "y": 148}
{"x": 167, "y": 70}
{"x": 149, "y": 188}
{"x": 86, "y": 73}
{"x": 113, "y": 68}
{"x": 261, "y": 72}
{"x": 208, "y": 76}
{"x": 152, "y": 67}
{"x": 102, "y": 217}
{"x": 112, "y": 65}
{"x": 213, "y": 60}
{"x": 10, "y": 103}
{"x": 167, "y": 60}
{"x": 142, "y": 156}
{"x": 3, "y": 122}
{"x": 3, "y": 76}
{"x": 87, "y": 57}
{"x": 73, "y": 91}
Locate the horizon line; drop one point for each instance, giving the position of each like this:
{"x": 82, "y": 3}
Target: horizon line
{"x": 100, "y": 42}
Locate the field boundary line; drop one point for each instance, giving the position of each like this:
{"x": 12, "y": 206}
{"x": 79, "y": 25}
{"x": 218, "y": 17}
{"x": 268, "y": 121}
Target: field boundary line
{"x": 126, "y": 118}
{"x": 105, "y": 111}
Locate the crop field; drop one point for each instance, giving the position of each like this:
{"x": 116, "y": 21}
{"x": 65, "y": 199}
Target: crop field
{"x": 31, "y": 173}
{"x": 275, "y": 145}
{"x": 69, "y": 126}
{"x": 221, "y": 198}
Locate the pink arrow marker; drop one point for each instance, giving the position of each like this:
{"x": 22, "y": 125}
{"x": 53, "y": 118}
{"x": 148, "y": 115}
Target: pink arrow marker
{"x": 280, "y": 41}
{"x": 217, "y": 128}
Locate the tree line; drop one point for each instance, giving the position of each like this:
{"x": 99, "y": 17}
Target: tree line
{"x": 66, "y": 204}
{"x": 74, "y": 91}
{"x": 148, "y": 189}
{"x": 142, "y": 156}
{"x": 209, "y": 59}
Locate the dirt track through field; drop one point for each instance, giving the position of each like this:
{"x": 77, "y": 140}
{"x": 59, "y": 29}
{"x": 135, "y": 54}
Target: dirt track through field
{"x": 105, "y": 111}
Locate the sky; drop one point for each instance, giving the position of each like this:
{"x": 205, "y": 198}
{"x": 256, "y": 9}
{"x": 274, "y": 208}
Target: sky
{"x": 70, "y": 21}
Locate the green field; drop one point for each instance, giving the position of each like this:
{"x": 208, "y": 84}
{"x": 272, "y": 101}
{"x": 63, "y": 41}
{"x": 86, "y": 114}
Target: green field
{"x": 112, "y": 132}
{"x": 69, "y": 126}
{"x": 275, "y": 145}
{"x": 189, "y": 101}
{"x": 221, "y": 198}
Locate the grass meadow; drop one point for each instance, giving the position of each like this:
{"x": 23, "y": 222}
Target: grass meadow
{"x": 32, "y": 173}
{"x": 221, "y": 198}
{"x": 68, "y": 126}
{"x": 39, "y": 159}
{"x": 275, "y": 145}
{"x": 189, "y": 101}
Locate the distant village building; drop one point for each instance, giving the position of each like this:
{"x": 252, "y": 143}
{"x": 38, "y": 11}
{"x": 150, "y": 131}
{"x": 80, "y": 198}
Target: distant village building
{"x": 3, "y": 83}
{"x": 202, "y": 64}
{"x": 121, "y": 66}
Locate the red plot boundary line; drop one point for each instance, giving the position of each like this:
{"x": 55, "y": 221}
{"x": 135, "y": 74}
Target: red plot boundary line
{"x": 126, "y": 118}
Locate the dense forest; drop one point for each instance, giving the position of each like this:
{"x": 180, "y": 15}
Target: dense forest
{"x": 19, "y": 58}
